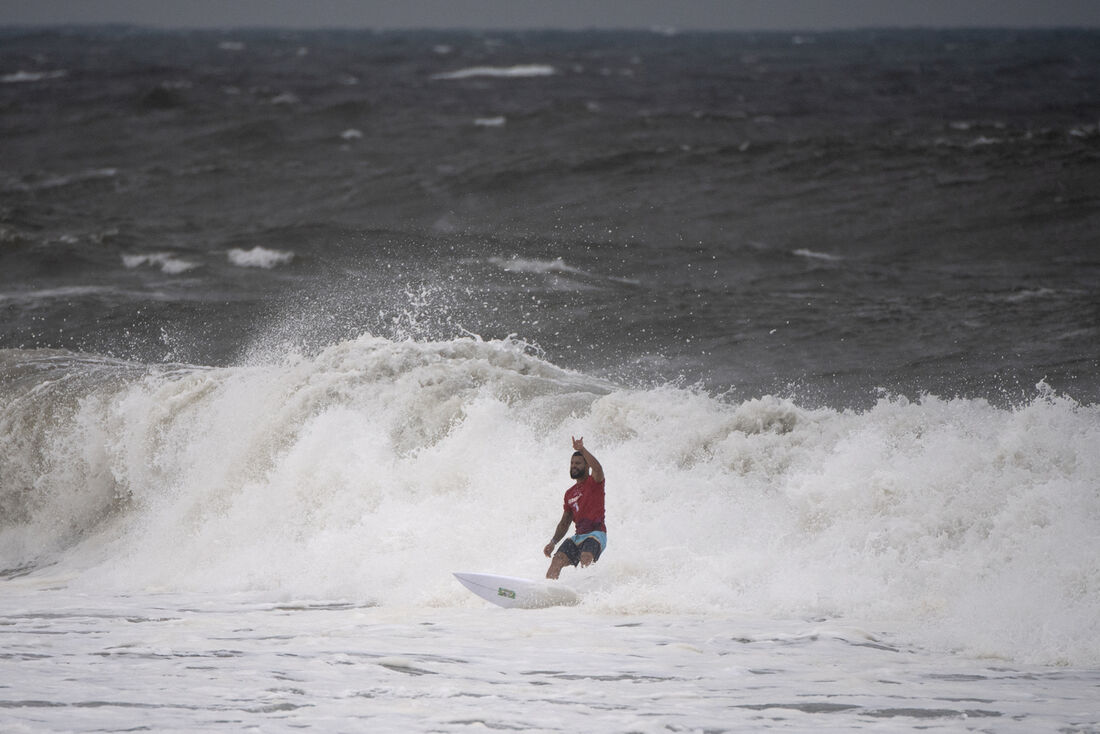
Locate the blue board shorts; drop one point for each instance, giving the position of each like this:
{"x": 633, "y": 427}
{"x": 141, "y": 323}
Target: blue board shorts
{"x": 593, "y": 543}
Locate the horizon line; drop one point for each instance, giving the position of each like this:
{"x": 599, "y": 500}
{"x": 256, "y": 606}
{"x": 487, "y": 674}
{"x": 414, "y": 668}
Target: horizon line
{"x": 653, "y": 29}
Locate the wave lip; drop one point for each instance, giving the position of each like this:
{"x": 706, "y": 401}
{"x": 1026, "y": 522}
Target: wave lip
{"x": 500, "y": 72}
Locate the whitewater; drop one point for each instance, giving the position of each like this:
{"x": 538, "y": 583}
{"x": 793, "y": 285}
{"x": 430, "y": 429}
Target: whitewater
{"x": 294, "y": 325}
{"x": 271, "y": 545}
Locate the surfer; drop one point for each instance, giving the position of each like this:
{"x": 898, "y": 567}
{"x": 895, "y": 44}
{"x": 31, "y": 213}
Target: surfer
{"x": 583, "y": 505}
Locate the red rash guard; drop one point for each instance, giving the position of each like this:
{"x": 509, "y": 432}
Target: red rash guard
{"x": 585, "y": 500}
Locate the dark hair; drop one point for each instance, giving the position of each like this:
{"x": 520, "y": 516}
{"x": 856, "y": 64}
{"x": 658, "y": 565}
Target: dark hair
{"x": 578, "y": 453}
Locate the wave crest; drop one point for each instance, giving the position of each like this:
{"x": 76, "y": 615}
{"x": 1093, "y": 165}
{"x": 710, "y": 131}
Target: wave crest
{"x": 964, "y": 524}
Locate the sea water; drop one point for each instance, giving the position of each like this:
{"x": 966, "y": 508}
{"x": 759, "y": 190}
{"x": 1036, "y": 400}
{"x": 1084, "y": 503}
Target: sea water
{"x": 288, "y": 337}
{"x": 271, "y": 545}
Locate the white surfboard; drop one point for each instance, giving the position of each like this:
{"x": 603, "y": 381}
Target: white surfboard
{"x": 511, "y": 592}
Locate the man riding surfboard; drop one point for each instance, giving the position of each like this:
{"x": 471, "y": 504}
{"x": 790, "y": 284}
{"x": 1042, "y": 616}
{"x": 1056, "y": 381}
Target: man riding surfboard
{"x": 583, "y": 505}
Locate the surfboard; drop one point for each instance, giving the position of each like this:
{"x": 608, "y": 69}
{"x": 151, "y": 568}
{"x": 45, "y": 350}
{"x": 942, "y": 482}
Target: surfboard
{"x": 516, "y": 593}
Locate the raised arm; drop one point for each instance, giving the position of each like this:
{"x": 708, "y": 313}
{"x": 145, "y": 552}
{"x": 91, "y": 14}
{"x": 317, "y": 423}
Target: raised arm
{"x": 597, "y": 470}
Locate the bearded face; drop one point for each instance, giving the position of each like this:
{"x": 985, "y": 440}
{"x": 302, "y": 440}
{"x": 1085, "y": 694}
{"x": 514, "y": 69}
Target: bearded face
{"x": 578, "y": 467}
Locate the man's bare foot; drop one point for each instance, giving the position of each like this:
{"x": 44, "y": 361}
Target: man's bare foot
{"x": 586, "y": 559}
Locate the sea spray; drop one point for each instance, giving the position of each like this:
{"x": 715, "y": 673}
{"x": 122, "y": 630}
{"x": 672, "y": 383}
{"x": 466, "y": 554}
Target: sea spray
{"x": 373, "y": 468}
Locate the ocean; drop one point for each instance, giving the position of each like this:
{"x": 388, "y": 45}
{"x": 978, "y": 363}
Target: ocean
{"x": 295, "y": 324}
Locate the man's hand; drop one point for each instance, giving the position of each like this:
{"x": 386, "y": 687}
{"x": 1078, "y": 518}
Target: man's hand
{"x": 597, "y": 470}
{"x": 559, "y": 532}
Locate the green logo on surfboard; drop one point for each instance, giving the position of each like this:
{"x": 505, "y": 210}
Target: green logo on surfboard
{"x": 501, "y": 591}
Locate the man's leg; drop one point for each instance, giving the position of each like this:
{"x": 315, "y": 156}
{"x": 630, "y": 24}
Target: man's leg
{"x": 590, "y": 551}
{"x": 557, "y": 563}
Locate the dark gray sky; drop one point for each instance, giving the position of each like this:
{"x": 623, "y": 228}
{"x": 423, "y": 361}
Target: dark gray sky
{"x": 567, "y": 14}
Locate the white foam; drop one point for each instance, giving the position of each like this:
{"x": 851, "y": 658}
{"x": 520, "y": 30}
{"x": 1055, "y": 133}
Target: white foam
{"x": 1030, "y": 294}
{"x": 490, "y": 121}
{"x": 503, "y": 72}
{"x": 192, "y": 662}
{"x": 91, "y": 174}
{"x": 259, "y": 257}
{"x": 26, "y": 297}
{"x": 165, "y": 261}
{"x": 375, "y": 467}
{"x": 983, "y": 140}
{"x": 533, "y": 265}
{"x": 286, "y": 98}
{"x": 23, "y": 77}
{"x": 1085, "y": 131}
{"x": 813, "y": 255}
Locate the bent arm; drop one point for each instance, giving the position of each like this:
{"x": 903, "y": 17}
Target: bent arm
{"x": 559, "y": 532}
{"x": 597, "y": 469}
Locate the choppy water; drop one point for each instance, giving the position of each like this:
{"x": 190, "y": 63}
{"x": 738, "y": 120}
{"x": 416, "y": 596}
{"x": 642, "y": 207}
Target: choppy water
{"x": 908, "y": 210}
{"x": 195, "y": 664}
{"x": 296, "y": 324}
